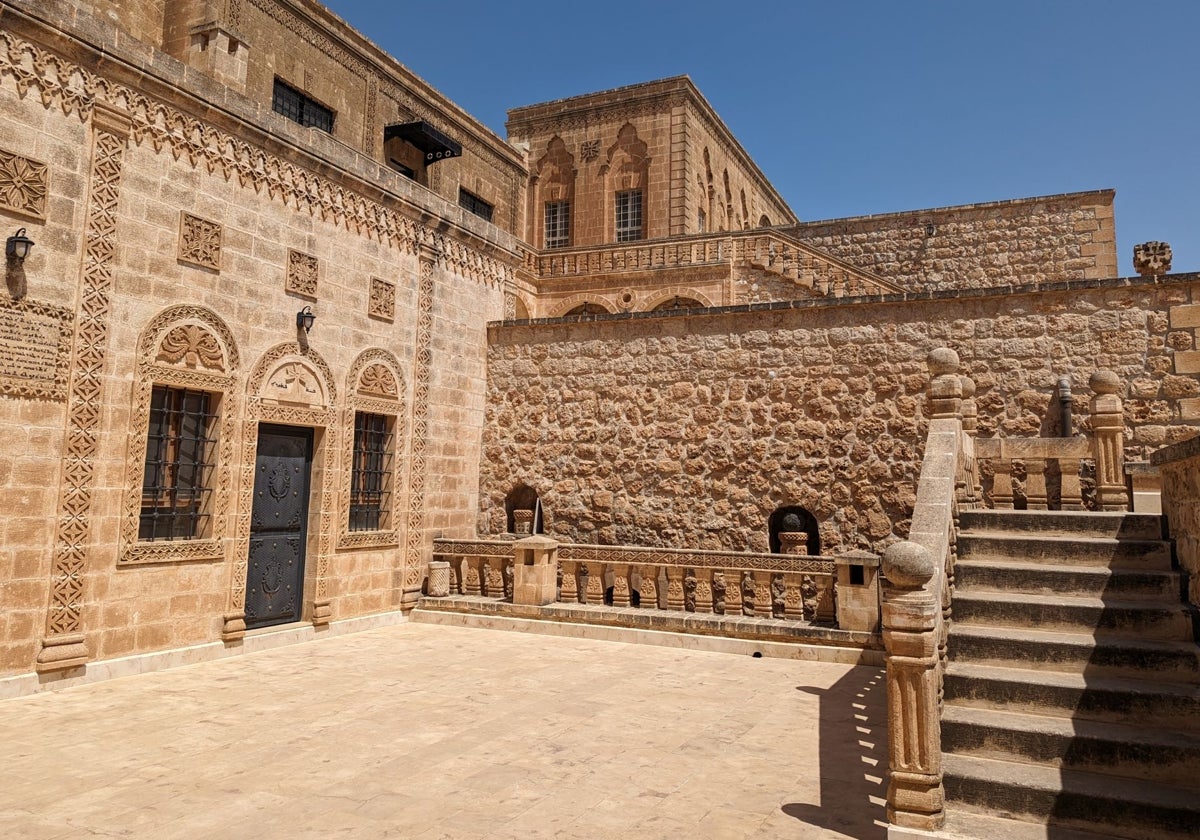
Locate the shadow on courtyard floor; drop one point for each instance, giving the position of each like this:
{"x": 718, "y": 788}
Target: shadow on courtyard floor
{"x": 852, "y": 757}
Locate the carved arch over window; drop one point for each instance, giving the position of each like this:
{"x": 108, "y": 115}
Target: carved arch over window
{"x": 184, "y": 347}
{"x": 553, "y": 183}
{"x": 375, "y": 388}
{"x": 688, "y": 298}
{"x": 583, "y": 305}
{"x": 626, "y": 170}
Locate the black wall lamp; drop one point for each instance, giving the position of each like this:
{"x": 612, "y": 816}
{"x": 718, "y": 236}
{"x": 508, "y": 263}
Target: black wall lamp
{"x": 17, "y": 247}
{"x": 930, "y": 230}
{"x": 305, "y": 318}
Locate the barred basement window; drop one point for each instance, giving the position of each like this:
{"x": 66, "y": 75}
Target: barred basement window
{"x": 177, "y": 483}
{"x": 558, "y": 224}
{"x": 474, "y": 204}
{"x": 629, "y": 216}
{"x": 370, "y": 475}
{"x": 299, "y": 108}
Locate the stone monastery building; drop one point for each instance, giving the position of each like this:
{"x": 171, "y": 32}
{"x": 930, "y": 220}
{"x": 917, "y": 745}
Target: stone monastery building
{"x": 293, "y": 326}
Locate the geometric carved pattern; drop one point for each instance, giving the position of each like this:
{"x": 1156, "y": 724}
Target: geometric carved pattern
{"x": 374, "y": 386}
{"x": 414, "y": 560}
{"x": 63, "y": 644}
{"x": 382, "y": 303}
{"x": 77, "y": 90}
{"x": 172, "y": 345}
{"x": 589, "y": 150}
{"x": 302, "y": 274}
{"x": 199, "y": 241}
{"x": 22, "y": 184}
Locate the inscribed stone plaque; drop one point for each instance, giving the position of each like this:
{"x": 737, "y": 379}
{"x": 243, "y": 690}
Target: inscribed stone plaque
{"x": 35, "y": 349}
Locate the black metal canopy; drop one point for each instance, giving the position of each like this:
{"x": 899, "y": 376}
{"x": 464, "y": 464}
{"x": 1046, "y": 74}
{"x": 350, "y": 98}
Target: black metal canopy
{"x": 435, "y": 145}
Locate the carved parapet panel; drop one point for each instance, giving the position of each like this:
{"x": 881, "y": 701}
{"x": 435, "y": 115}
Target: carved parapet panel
{"x": 1151, "y": 259}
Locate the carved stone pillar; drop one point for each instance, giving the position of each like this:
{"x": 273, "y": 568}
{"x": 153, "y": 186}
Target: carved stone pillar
{"x": 762, "y": 594}
{"x": 1108, "y": 441}
{"x": 594, "y": 592}
{"x": 793, "y": 597}
{"x": 1002, "y": 486}
{"x": 621, "y": 588}
{"x": 915, "y": 797}
{"x": 1035, "y": 484}
{"x": 704, "y": 599}
{"x": 568, "y": 592}
{"x": 674, "y": 588}
{"x": 474, "y": 585}
{"x": 720, "y": 590}
{"x": 494, "y": 577}
{"x": 733, "y": 592}
{"x": 648, "y": 587}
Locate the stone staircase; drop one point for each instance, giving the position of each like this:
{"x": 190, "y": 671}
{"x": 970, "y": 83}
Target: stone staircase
{"x": 1072, "y": 692}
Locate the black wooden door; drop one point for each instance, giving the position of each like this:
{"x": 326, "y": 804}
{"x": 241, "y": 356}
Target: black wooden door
{"x": 278, "y": 526}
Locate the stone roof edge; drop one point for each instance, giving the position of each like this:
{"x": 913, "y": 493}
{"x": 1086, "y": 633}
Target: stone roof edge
{"x": 221, "y": 107}
{"x": 547, "y": 112}
{"x": 1110, "y": 194}
{"x": 864, "y": 300}
{"x": 388, "y": 64}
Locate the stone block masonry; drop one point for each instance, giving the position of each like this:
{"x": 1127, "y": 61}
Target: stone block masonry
{"x": 691, "y": 430}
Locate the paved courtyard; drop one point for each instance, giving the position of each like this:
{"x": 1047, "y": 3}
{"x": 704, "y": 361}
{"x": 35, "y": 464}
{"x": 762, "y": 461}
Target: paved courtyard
{"x": 421, "y": 731}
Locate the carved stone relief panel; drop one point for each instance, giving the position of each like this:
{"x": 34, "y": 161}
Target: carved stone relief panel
{"x": 199, "y": 241}
{"x": 382, "y": 303}
{"x": 302, "y": 270}
{"x": 23, "y": 184}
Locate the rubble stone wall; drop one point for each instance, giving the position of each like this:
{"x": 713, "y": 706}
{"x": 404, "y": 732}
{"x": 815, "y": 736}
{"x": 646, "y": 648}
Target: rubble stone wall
{"x": 1001, "y": 243}
{"x": 689, "y": 431}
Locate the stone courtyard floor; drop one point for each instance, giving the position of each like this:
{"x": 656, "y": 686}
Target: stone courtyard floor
{"x": 421, "y": 731}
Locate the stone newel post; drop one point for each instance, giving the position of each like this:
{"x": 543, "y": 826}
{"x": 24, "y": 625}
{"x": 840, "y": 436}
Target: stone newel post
{"x": 915, "y": 797}
{"x": 1108, "y": 433}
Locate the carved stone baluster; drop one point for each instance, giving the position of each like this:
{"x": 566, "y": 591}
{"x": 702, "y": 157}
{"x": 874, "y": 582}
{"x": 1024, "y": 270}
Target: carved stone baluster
{"x": 474, "y": 584}
{"x": 1072, "y": 496}
{"x": 825, "y": 608}
{"x": 649, "y": 587}
{"x": 1002, "y": 486}
{"x": 689, "y": 590}
{"x": 704, "y": 599}
{"x": 915, "y": 797}
{"x": 733, "y": 592}
{"x": 762, "y": 594}
{"x": 720, "y": 590}
{"x": 594, "y": 594}
{"x": 793, "y": 596}
{"x": 568, "y": 593}
{"x": 1108, "y": 430}
{"x": 674, "y": 588}
{"x": 1035, "y": 484}
{"x": 493, "y": 580}
{"x": 972, "y": 488}
{"x": 621, "y": 586}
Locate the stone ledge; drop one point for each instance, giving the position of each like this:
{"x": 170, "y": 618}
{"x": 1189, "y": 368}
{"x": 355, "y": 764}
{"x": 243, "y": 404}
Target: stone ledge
{"x": 670, "y": 621}
{"x": 1181, "y": 451}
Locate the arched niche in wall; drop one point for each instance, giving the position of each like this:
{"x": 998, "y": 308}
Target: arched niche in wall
{"x": 523, "y": 498}
{"x": 626, "y": 174}
{"x": 792, "y": 519}
{"x": 581, "y": 305}
{"x": 764, "y": 221}
{"x": 678, "y": 297}
{"x": 708, "y": 192}
{"x": 552, "y": 193}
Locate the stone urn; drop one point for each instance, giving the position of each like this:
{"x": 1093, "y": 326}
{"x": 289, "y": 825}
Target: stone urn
{"x": 523, "y": 522}
{"x": 439, "y": 579}
{"x": 793, "y": 542}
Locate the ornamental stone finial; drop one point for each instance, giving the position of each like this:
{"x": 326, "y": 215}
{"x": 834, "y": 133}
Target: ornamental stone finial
{"x": 942, "y": 360}
{"x": 908, "y": 565}
{"x": 1104, "y": 382}
{"x": 1151, "y": 259}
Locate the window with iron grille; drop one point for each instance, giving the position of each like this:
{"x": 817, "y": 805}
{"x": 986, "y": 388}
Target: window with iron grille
{"x": 629, "y": 216}
{"x": 299, "y": 108}
{"x": 371, "y": 472}
{"x": 558, "y": 224}
{"x": 474, "y": 204}
{"x": 177, "y": 483}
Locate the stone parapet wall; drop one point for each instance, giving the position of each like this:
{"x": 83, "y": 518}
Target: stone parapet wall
{"x": 1001, "y": 243}
{"x": 690, "y": 430}
{"x": 1179, "y": 466}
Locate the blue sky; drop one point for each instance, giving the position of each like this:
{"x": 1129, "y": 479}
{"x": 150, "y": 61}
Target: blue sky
{"x": 867, "y": 107}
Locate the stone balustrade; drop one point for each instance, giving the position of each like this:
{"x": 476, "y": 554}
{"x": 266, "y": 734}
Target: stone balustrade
{"x": 1064, "y": 457}
{"x": 838, "y": 592}
{"x": 768, "y": 250}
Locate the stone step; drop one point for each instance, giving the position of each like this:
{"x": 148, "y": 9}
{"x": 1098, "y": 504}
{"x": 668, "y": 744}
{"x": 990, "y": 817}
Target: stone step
{"x": 1138, "y": 752}
{"x": 1077, "y": 653}
{"x": 1124, "y": 526}
{"x": 1143, "y": 619}
{"x": 1078, "y": 696}
{"x": 1083, "y": 551}
{"x": 1075, "y": 799}
{"x": 1040, "y": 579}
{"x": 968, "y": 825}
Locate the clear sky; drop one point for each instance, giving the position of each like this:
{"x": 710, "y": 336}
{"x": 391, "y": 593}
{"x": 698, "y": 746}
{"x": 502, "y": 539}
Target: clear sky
{"x": 867, "y": 107}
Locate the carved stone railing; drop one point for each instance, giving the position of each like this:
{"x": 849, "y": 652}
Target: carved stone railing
{"x": 919, "y": 575}
{"x": 1067, "y": 457}
{"x": 768, "y": 250}
{"x": 834, "y": 591}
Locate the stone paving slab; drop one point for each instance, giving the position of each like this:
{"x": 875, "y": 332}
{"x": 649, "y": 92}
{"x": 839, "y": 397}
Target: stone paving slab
{"x": 421, "y": 731}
